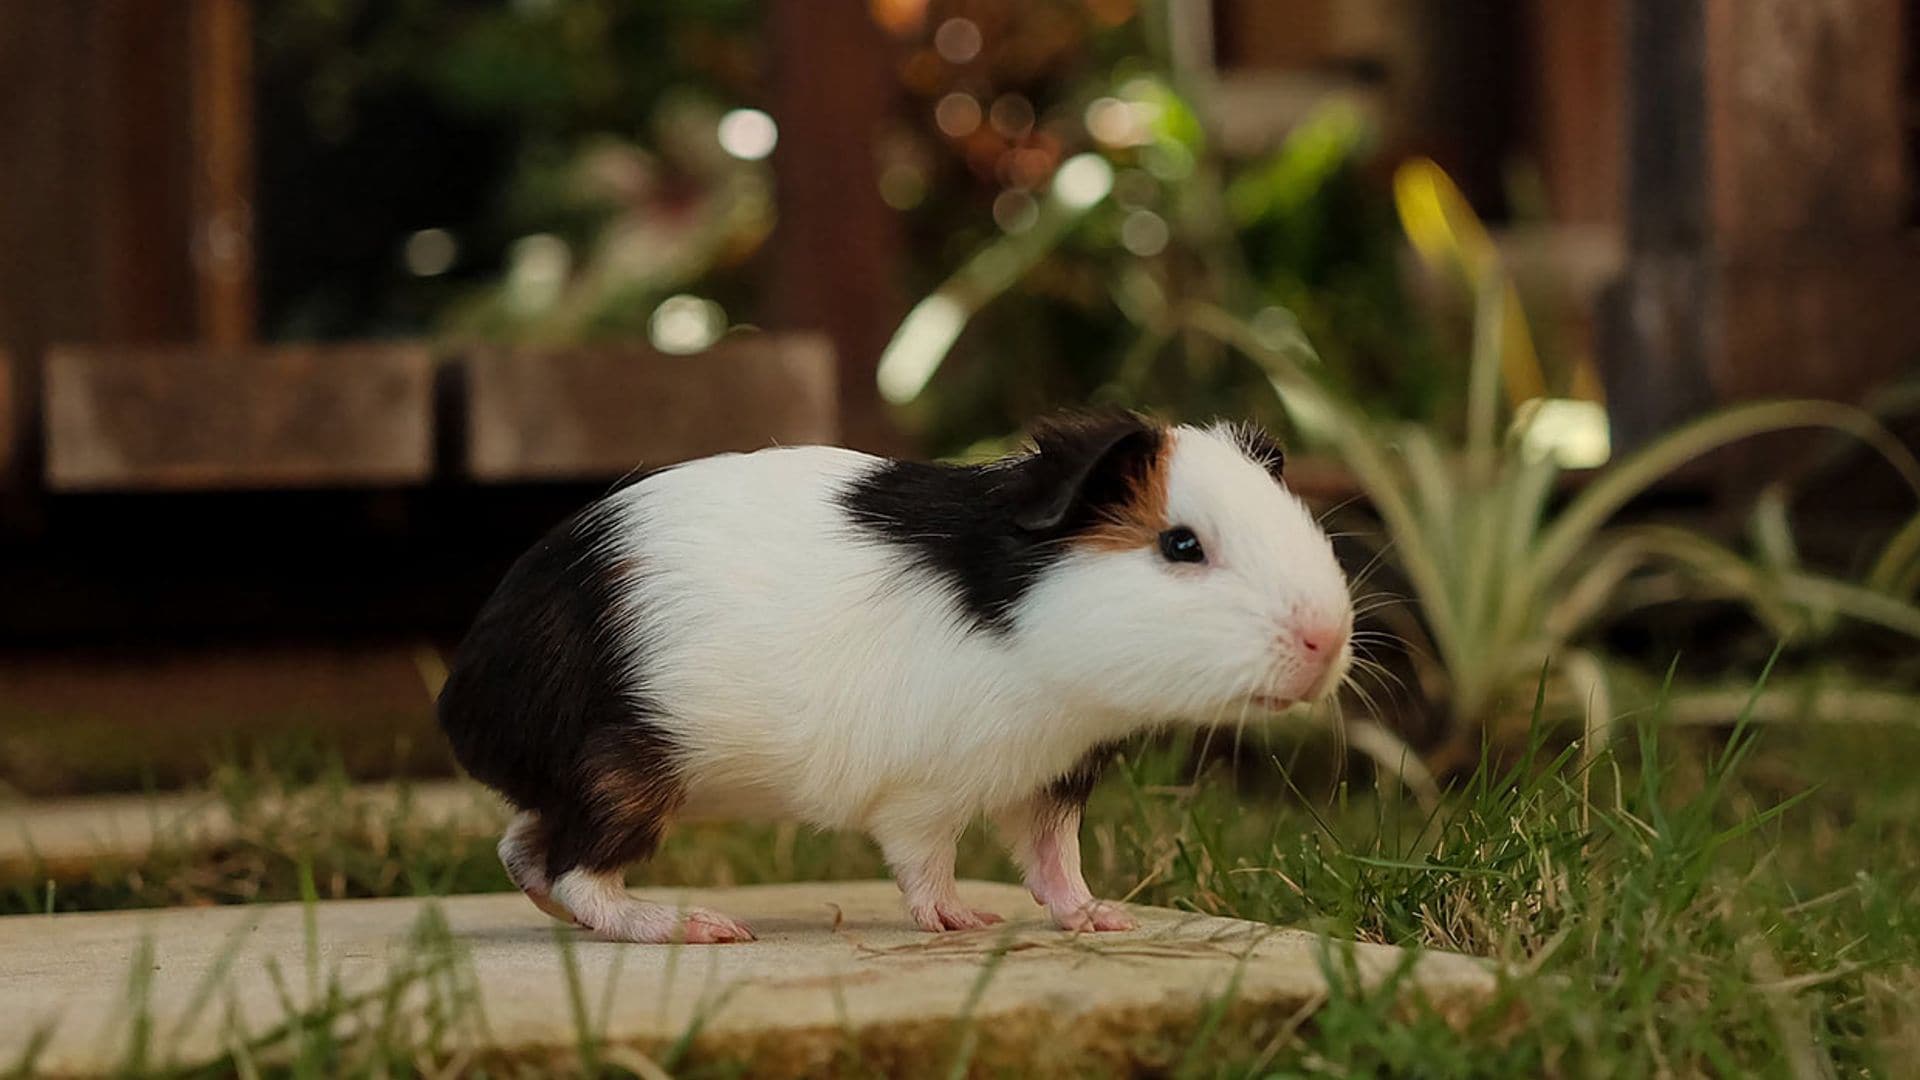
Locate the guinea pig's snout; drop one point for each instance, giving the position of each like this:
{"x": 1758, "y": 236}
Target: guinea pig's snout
{"x": 1322, "y": 642}
{"x": 1319, "y": 647}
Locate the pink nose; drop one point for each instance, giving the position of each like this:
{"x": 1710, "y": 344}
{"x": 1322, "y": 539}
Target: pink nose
{"x": 1322, "y": 642}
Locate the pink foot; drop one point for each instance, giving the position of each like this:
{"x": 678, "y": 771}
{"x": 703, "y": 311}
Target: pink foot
{"x": 952, "y": 916}
{"x": 703, "y": 927}
{"x": 545, "y": 902}
{"x": 1094, "y": 916}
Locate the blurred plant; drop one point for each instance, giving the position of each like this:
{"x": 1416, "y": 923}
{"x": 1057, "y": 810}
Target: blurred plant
{"x": 1113, "y": 211}
{"x": 653, "y": 225}
{"x": 415, "y": 151}
{"x": 1505, "y": 582}
{"x": 1843, "y": 680}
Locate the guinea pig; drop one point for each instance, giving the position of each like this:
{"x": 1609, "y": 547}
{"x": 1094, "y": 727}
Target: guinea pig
{"x": 815, "y": 634}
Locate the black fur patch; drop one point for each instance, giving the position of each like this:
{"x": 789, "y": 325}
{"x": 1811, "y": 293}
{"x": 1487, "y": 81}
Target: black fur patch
{"x": 540, "y": 704}
{"x": 990, "y": 530}
{"x": 1073, "y": 788}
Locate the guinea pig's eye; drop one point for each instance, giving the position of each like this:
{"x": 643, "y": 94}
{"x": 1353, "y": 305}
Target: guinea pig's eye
{"x": 1178, "y": 544}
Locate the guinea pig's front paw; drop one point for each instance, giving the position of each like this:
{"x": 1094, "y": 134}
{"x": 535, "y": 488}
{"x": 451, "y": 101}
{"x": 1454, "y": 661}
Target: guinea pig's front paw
{"x": 1093, "y": 916}
{"x": 946, "y": 916}
{"x": 703, "y": 927}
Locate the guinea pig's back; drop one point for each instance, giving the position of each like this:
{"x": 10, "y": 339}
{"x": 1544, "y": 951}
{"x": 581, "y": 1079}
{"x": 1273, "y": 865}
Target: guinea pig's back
{"x": 784, "y": 642}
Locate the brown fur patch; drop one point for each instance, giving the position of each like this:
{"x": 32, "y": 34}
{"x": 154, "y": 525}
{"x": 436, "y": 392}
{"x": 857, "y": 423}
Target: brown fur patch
{"x": 1142, "y": 517}
{"x": 630, "y": 787}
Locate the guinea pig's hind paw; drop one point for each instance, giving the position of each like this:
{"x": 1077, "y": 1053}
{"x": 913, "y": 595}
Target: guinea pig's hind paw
{"x": 552, "y": 907}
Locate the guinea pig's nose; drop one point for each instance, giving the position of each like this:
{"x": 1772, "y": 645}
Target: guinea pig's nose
{"x": 1322, "y": 642}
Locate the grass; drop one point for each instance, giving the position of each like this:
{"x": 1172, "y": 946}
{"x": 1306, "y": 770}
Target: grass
{"x": 1722, "y": 902}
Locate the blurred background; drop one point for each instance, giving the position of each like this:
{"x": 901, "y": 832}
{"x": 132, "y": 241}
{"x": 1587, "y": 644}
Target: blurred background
{"x": 314, "y": 313}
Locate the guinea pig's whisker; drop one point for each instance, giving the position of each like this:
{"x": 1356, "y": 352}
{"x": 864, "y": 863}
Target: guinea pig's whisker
{"x": 1381, "y": 673}
{"x": 1327, "y": 514}
{"x": 1377, "y": 602}
{"x": 1268, "y": 678}
{"x": 1366, "y": 697}
{"x": 1372, "y": 564}
{"x": 1206, "y": 745}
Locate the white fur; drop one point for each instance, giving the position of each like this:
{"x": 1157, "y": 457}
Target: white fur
{"x": 809, "y": 672}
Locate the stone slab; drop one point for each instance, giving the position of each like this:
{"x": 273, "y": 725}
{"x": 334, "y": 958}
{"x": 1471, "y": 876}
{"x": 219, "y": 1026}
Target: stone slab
{"x": 63, "y": 839}
{"x": 836, "y": 966}
{"x": 184, "y": 418}
{"x": 602, "y": 411}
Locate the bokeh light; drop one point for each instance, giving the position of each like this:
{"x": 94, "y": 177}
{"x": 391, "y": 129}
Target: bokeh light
{"x": 686, "y": 324}
{"x": 1144, "y": 233}
{"x": 430, "y": 252}
{"x": 902, "y": 186}
{"x": 957, "y": 114}
{"x": 748, "y": 134}
{"x": 1082, "y": 180}
{"x": 958, "y": 40}
{"x": 537, "y": 269}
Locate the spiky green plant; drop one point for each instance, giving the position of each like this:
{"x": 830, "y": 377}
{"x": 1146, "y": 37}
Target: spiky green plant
{"x": 1504, "y": 582}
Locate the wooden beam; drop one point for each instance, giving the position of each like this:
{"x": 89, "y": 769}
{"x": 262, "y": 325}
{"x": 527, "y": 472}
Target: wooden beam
{"x": 837, "y": 255}
{"x": 599, "y": 412}
{"x": 149, "y": 419}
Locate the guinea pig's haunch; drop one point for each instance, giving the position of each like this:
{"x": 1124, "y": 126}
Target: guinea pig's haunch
{"x": 815, "y": 634}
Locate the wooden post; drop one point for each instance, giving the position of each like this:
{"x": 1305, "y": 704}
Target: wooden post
{"x": 837, "y": 249}
{"x": 125, "y": 150}
{"x": 1767, "y": 195}
{"x": 1576, "y": 75}
{"x": 222, "y": 121}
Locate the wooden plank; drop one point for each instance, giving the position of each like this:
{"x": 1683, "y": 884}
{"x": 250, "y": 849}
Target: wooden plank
{"x": 178, "y": 418}
{"x": 544, "y": 414}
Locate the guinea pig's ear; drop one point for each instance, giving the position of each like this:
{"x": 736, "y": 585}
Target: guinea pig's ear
{"x": 1081, "y": 465}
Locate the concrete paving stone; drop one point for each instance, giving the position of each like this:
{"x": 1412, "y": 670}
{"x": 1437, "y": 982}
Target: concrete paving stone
{"x": 837, "y": 970}
{"x": 64, "y": 838}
